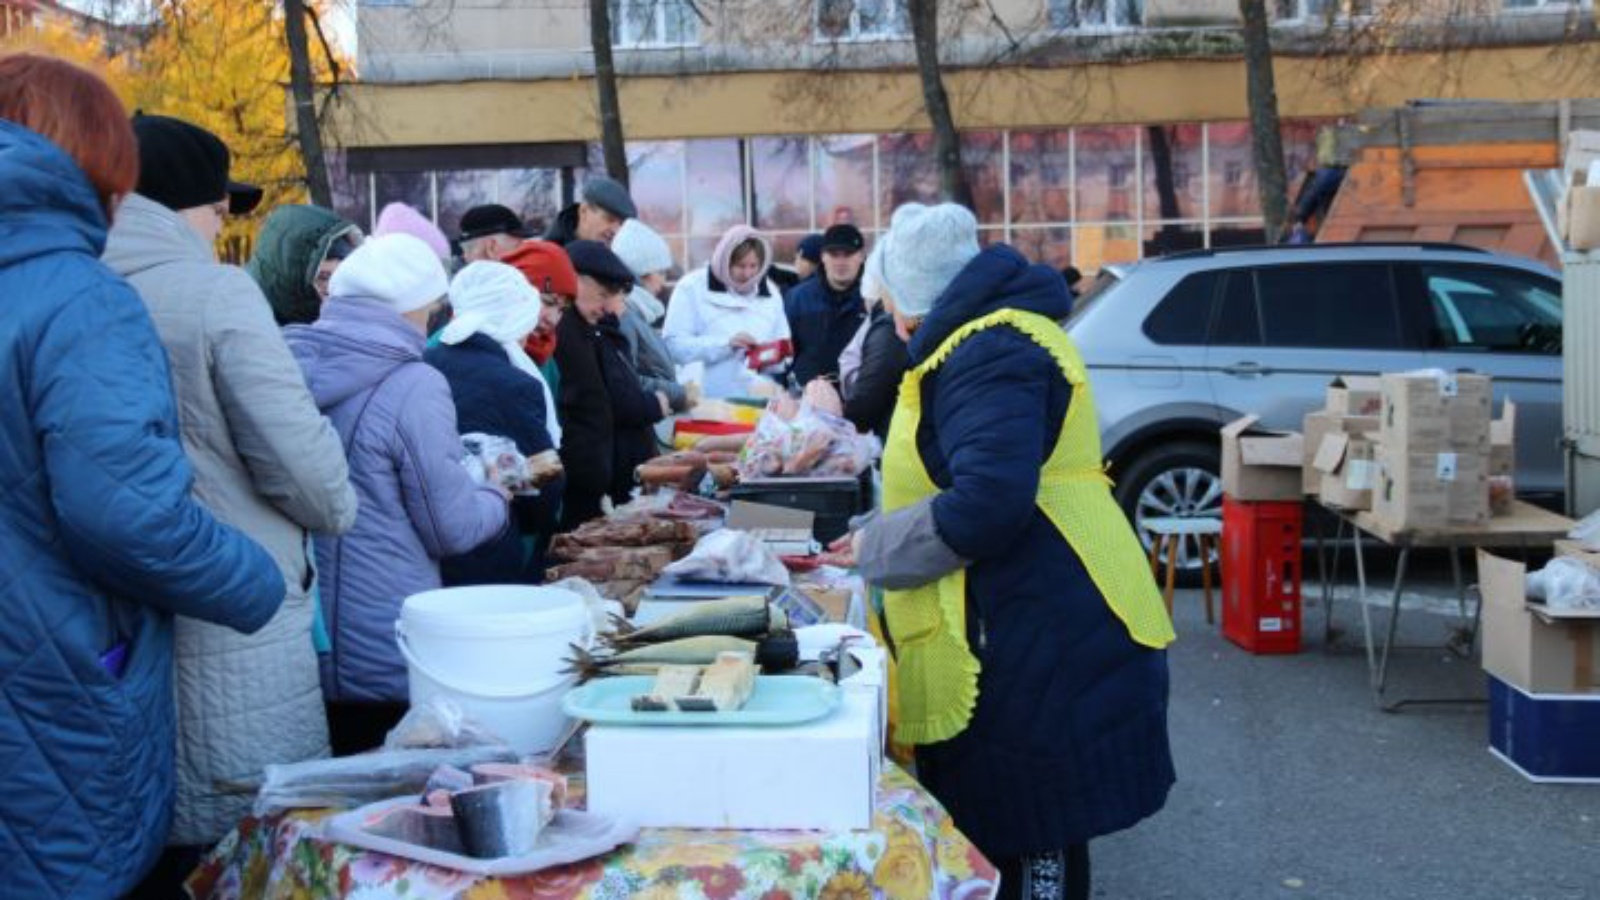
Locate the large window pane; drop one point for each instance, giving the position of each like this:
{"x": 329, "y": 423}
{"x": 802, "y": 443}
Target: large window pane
{"x": 1336, "y": 306}
{"x": 983, "y": 158}
{"x": 1075, "y": 14}
{"x": 655, "y": 181}
{"x": 907, "y": 171}
{"x": 1232, "y": 173}
{"x": 532, "y": 193}
{"x": 1051, "y": 246}
{"x": 716, "y": 186}
{"x": 861, "y": 19}
{"x": 1101, "y": 244}
{"x": 462, "y": 190}
{"x": 646, "y": 23}
{"x": 844, "y": 181}
{"x": 1107, "y": 189}
{"x": 412, "y": 188}
{"x": 352, "y": 191}
{"x": 782, "y": 182}
{"x": 1174, "y": 166}
{"x": 1041, "y": 173}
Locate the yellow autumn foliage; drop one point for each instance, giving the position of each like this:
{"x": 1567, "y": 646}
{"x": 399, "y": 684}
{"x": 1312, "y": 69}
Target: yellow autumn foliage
{"x": 222, "y": 64}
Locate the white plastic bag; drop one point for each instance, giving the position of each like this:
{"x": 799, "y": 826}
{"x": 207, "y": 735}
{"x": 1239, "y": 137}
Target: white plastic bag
{"x": 1566, "y": 583}
{"x": 440, "y": 723}
{"x": 730, "y": 557}
{"x": 1587, "y": 532}
{"x": 349, "y": 781}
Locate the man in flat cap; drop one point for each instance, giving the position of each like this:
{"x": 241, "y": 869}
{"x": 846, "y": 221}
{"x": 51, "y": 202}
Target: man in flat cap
{"x": 603, "y": 207}
{"x": 489, "y": 232}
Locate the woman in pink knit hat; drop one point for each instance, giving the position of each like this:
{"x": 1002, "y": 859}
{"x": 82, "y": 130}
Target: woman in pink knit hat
{"x": 398, "y": 218}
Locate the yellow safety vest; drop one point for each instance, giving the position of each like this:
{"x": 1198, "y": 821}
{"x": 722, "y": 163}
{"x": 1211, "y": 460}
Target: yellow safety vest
{"x": 936, "y": 674}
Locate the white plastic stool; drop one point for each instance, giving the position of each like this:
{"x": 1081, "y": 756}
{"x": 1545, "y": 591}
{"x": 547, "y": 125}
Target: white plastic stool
{"x": 1169, "y": 533}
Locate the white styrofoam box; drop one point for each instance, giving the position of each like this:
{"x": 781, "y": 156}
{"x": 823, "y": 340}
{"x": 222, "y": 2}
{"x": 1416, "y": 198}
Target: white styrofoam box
{"x": 818, "y": 775}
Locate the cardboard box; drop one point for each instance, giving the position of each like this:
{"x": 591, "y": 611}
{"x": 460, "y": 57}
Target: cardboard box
{"x": 1348, "y": 469}
{"x": 1582, "y": 149}
{"x": 1576, "y": 550}
{"x": 1429, "y": 414}
{"x": 1503, "y": 441}
{"x": 1545, "y": 737}
{"x": 1319, "y": 425}
{"x": 1430, "y": 491}
{"x": 1524, "y": 645}
{"x": 818, "y": 775}
{"x": 1260, "y": 465}
{"x": 1355, "y": 395}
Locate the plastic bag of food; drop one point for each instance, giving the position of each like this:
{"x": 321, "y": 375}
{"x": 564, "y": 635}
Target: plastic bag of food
{"x": 486, "y": 454}
{"x": 730, "y": 557}
{"x": 350, "y": 781}
{"x": 1566, "y": 583}
{"x": 440, "y": 723}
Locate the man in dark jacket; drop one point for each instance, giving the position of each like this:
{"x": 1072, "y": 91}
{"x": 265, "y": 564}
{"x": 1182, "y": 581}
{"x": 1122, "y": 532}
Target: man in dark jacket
{"x": 607, "y": 417}
{"x": 605, "y": 205}
{"x": 825, "y": 312}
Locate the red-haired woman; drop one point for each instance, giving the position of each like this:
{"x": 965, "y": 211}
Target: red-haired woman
{"x": 100, "y": 543}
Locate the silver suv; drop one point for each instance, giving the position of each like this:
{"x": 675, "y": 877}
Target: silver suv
{"x": 1180, "y": 345}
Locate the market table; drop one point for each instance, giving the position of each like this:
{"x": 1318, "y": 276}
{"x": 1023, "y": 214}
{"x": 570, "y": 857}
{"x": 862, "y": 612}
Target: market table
{"x": 912, "y": 851}
{"x": 1525, "y": 526}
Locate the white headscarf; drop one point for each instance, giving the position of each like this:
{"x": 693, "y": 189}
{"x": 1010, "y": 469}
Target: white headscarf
{"x": 495, "y": 300}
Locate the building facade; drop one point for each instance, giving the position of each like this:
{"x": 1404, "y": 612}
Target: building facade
{"x": 1093, "y": 131}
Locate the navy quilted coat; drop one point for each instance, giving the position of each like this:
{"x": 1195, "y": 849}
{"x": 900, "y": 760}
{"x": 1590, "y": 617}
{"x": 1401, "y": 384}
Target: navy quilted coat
{"x": 1069, "y": 738}
{"x": 100, "y": 545}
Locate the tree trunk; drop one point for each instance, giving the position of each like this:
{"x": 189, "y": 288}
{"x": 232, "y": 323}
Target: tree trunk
{"x": 605, "y": 80}
{"x": 303, "y": 89}
{"x": 1266, "y": 140}
{"x": 947, "y": 144}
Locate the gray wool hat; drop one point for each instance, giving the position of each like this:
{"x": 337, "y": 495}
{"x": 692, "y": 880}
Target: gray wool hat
{"x": 609, "y": 195}
{"x": 925, "y": 248}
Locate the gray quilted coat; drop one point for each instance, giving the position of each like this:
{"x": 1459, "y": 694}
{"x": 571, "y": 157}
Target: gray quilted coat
{"x": 265, "y": 462}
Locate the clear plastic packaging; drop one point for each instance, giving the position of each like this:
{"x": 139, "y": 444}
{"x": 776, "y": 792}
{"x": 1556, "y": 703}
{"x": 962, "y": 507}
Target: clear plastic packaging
{"x": 1587, "y": 532}
{"x": 1566, "y": 584}
{"x": 806, "y": 443}
{"x": 730, "y": 557}
{"x": 486, "y": 455}
{"x": 350, "y": 781}
{"x": 439, "y": 724}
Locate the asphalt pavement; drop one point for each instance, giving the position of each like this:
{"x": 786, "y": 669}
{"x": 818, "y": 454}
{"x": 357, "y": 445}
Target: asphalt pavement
{"x": 1293, "y": 784}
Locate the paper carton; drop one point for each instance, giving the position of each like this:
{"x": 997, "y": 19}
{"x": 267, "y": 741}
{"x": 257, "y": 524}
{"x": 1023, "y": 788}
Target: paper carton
{"x": 819, "y": 775}
{"x": 1582, "y": 149}
{"x": 1436, "y": 414}
{"x": 1528, "y": 648}
{"x": 1503, "y": 441}
{"x": 1355, "y": 395}
{"x": 1348, "y": 471}
{"x": 1260, "y": 465}
{"x": 1319, "y": 425}
{"x": 1430, "y": 491}
{"x": 1576, "y": 550}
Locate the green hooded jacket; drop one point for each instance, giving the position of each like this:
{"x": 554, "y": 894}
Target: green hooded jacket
{"x": 293, "y": 242}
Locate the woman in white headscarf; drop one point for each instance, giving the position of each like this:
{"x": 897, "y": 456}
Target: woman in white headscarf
{"x": 721, "y": 314}
{"x": 499, "y": 390}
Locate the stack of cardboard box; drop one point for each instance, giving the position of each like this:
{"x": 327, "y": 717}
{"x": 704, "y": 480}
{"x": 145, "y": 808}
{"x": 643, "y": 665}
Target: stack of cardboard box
{"x": 1419, "y": 450}
{"x": 1433, "y": 451}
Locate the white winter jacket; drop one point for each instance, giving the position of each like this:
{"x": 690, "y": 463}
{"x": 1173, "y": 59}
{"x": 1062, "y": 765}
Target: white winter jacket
{"x": 266, "y": 462}
{"x": 703, "y": 316}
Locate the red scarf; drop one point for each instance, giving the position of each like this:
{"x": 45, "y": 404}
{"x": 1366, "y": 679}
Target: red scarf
{"x": 541, "y": 346}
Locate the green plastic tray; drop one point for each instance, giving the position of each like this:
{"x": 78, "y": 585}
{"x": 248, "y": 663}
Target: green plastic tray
{"x": 777, "y": 700}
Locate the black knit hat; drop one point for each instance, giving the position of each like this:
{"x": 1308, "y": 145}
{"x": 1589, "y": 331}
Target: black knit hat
{"x": 491, "y": 218}
{"x": 182, "y": 166}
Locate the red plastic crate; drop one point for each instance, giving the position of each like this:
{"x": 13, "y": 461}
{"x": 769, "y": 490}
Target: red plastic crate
{"x": 1261, "y": 575}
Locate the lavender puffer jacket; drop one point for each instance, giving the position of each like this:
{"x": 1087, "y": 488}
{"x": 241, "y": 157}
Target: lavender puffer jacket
{"x": 394, "y": 413}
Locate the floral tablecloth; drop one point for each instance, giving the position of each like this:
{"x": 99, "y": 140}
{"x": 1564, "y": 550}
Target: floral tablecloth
{"x": 912, "y": 851}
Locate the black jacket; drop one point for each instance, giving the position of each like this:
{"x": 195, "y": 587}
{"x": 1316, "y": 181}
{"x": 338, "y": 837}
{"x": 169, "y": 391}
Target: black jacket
{"x": 493, "y": 397}
{"x": 587, "y": 425}
{"x": 870, "y": 400}
{"x": 634, "y": 410}
{"x": 821, "y": 322}
{"x": 564, "y": 230}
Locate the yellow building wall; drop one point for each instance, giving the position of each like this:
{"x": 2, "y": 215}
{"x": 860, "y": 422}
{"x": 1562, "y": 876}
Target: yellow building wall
{"x": 779, "y": 103}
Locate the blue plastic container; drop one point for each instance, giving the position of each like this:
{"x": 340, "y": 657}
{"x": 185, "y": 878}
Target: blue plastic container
{"x": 1546, "y": 737}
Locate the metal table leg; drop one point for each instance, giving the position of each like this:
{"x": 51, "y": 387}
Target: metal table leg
{"x": 1394, "y": 623}
{"x": 1361, "y": 600}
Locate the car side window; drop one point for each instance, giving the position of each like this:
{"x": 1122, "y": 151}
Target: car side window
{"x": 1238, "y": 320}
{"x": 1181, "y": 316}
{"x": 1335, "y": 306}
{"x": 1481, "y": 308}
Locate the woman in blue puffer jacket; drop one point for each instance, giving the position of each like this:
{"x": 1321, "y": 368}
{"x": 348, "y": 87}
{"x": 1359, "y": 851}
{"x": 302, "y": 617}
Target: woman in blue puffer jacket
{"x": 100, "y": 543}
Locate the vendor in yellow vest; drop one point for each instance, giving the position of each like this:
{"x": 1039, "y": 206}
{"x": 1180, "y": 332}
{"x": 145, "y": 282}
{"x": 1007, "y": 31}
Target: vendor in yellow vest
{"x": 1027, "y": 629}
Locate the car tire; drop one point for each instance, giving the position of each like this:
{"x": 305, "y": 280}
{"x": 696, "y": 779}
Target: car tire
{"x": 1179, "y": 479}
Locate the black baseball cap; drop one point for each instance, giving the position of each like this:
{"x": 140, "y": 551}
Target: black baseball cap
{"x": 183, "y": 166}
{"x": 491, "y": 218}
{"x": 843, "y": 237}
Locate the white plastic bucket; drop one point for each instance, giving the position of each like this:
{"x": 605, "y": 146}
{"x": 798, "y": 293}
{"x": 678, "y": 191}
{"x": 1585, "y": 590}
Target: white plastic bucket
{"x": 497, "y": 652}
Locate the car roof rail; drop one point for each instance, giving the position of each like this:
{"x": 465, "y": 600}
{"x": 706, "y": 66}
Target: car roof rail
{"x": 1343, "y": 245}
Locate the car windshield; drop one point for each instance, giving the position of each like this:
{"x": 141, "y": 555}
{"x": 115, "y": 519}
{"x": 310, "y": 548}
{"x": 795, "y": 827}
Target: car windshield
{"x": 1105, "y": 283}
